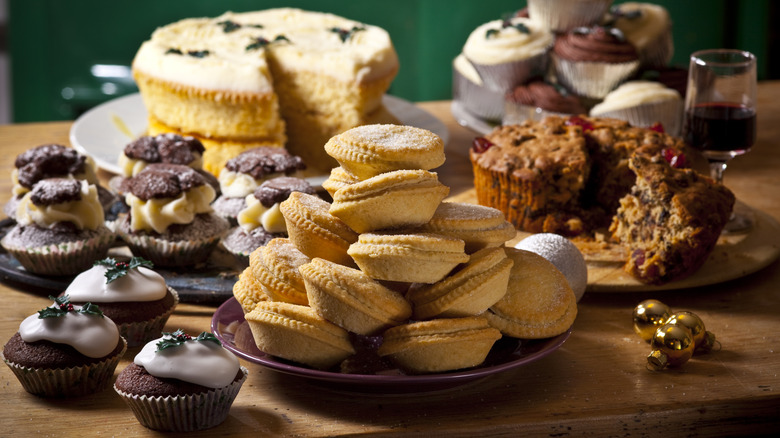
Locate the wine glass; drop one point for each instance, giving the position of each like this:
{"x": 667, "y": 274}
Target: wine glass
{"x": 720, "y": 111}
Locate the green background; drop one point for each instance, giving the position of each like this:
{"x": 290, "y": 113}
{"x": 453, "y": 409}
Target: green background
{"x": 54, "y": 44}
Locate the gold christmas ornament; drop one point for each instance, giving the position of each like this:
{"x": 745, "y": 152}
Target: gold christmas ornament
{"x": 703, "y": 339}
{"x": 648, "y": 316}
{"x": 672, "y": 346}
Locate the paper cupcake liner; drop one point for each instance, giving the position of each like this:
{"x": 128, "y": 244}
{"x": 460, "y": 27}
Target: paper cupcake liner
{"x": 68, "y": 258}
{"x": 504, "y": 77}
{"x": 141, "y": 332}
{"x": 477, "y": 99}
{"x": 564, "y": 15}
{"x": 668, "y": 113}
{"x": 185, "y": 413}
{"x": 163, "y": 252}
{"x": 658, "y": 53}
{"x": 592, "y": 79}
{"x": 67, "y": 382}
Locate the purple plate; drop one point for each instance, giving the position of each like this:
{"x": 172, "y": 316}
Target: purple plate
{"x": 230, "y": 327}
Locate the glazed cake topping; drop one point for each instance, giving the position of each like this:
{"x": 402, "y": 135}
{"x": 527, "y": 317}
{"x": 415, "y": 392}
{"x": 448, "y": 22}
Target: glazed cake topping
{"x": 500, "y": 41}
{"x": 201, "y": 360}
{"x": 110, "y": 281}
{"x": 50, "y": 161}
{"x": 244, "y": 173}
{"x": 164, "y": 148}
{"x": 58, "y": 200}
{"x": 82, "y": 327}
{"x": 166, "y": 194}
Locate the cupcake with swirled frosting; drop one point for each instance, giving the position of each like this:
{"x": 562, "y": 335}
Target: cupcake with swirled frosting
{"x": 171, "y": 221}
{"x": 592, "y": 61}
{"x": 537, "y": 100}
{"x": 506, "y": 53}
{"x": 65, "y": 350}
{"x": 649, "y": 28}
{"x": 60, "y": 228}
{"x": 643, "y": 104}
{"x": 133, "y": 295}
{"x": 564, "y": 15}
{"x": 181, "y": 383}
{"x": 247, "y": 171}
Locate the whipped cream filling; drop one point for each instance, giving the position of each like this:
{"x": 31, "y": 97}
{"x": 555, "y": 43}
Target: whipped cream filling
{"x": 202, "y": 363}
{"x": 257, "y": 215}
{"x": 492, "y": 43}
{"x": 86, "y": 213}
{"x": 131, "y": 167}
{"x": 157, "y": 214}
{"x": 140, "y": 284}
{"x": 635, "y": 93}
{"x": 91, "y": 335}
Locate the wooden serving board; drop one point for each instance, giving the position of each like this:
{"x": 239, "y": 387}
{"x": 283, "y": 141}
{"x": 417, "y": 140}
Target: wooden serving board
{"x": 735, "y": 255}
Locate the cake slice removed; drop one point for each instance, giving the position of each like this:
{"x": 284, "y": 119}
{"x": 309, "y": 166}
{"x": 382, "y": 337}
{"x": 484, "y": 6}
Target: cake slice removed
{"x": 671, "y": 219}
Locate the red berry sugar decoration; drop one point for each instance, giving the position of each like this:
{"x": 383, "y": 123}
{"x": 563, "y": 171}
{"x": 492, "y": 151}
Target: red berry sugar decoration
{"x": 481, "y": 144}
{"x": 579, "y": 121}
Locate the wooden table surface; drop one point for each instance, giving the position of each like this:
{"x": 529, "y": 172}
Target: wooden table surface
{"x": 596, "y": 384}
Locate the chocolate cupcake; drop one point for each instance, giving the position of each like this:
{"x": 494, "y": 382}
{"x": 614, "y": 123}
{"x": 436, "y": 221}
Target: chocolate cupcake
{"x": 130, "y": 293}
{"x": 171, "y": 221}
{"x": 592, "y": 61}
{"x": 60, "y": 228}
{"x": 52, "y": 161}
{"x": 260, "y": 221}
{"x": 564, "y": 15}
{"x": 506, "y": 53}
{"x": 537, "y": 100}
{"x": 65, "y": 350}
{"x": 648, "y": 28}
{"x": 244, "y": 173}
{"x": 180, "y": 383}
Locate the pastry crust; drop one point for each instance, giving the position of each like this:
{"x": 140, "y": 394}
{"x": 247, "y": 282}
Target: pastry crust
{"x": 275, "y": 267}
{"x": 477, "y": 225}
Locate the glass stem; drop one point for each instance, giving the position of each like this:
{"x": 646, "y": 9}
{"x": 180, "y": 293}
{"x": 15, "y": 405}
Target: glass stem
{"x": 716, "y": 170}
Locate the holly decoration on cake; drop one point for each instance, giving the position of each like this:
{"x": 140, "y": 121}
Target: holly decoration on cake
{"x": 62, "y": 306}
{"x": 261, "y": 42}
{"x": 506, "y": 22}
{"x": 178, "y": 338}
{"x": 346, "y": 34}
{"x": 193, "y": 53}
{"x": 117, "y": 269}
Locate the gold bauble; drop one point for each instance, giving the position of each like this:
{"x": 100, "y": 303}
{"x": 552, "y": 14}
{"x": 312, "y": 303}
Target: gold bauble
{"x": 703, "y": 339}
{"x": 672, "y": 346}
{"x": 648, "y": 316}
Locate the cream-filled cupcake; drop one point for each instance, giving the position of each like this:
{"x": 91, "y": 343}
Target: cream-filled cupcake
{"x": 60, "y": 228}
{"x": 643, "y": 104}
{"x": 469, "y": 91}
{"x": 507, "y": 53}
{"x": 648, "y": 27}
{"x": 134, "y": 296}
{"x": 564, "y": 15}
{"x": 171, "y": 221}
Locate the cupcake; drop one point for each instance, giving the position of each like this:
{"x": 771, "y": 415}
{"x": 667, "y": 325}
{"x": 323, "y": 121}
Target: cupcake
{"x": 261, "y": 220}
{"x": 65, "y": 350}
{"x": 130, "y": 293}
{"x": 537, "y": 100}
{"x": 244, "y": 173}
{"x": 564, "y": 15}
{"x": 506, "y": 53}
{"x": 180, "y": 383}
{"x": 165, "y": 148}
{"x": 643, "y": 104}
{"x": 60, "y": 228}
{"x": 52, "y": 161}
{"x": 648, "y": 28}
{"x": 592, "y": 61}
{"x": 469, "y": 91}
{"x": 171, "y": 221}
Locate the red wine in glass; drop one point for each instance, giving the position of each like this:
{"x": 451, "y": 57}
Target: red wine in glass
{"x": 721, "y": 130}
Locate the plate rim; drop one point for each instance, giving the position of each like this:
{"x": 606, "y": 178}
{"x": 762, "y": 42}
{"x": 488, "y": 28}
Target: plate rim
{"x": 453, "y": 377}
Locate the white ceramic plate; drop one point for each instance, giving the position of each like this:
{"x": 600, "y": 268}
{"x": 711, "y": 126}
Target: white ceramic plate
{"x": 104, "y": 131}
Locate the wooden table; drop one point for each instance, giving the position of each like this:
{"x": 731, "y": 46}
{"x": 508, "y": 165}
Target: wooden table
{"x": 596, "y": 384}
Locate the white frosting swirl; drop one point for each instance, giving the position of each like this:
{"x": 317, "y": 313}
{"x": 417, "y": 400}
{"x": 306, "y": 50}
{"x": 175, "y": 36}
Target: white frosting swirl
{"x": 256, "y": 215}
{"x": 465, "y": 68}
{"x": 507, "y": 44}
{"x": 91, "y": 335}
{"x": 634, "y": 93}
{"x": 86, "y": 213}
{"x": 204, "y": 363}
{"x": 236, "y": 184}
{"x": 158, "y": 214}
{"x": 140, "y": 284}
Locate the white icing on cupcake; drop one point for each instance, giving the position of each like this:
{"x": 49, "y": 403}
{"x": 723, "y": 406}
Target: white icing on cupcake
{"x": 635, "y": 93}
{"x": 139, "y": 284}
{"x": 494, "y": 43}
{"x": 562, "y": 253}
{"x": 201, "y": 362}
{"x": 91, "y": 335}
